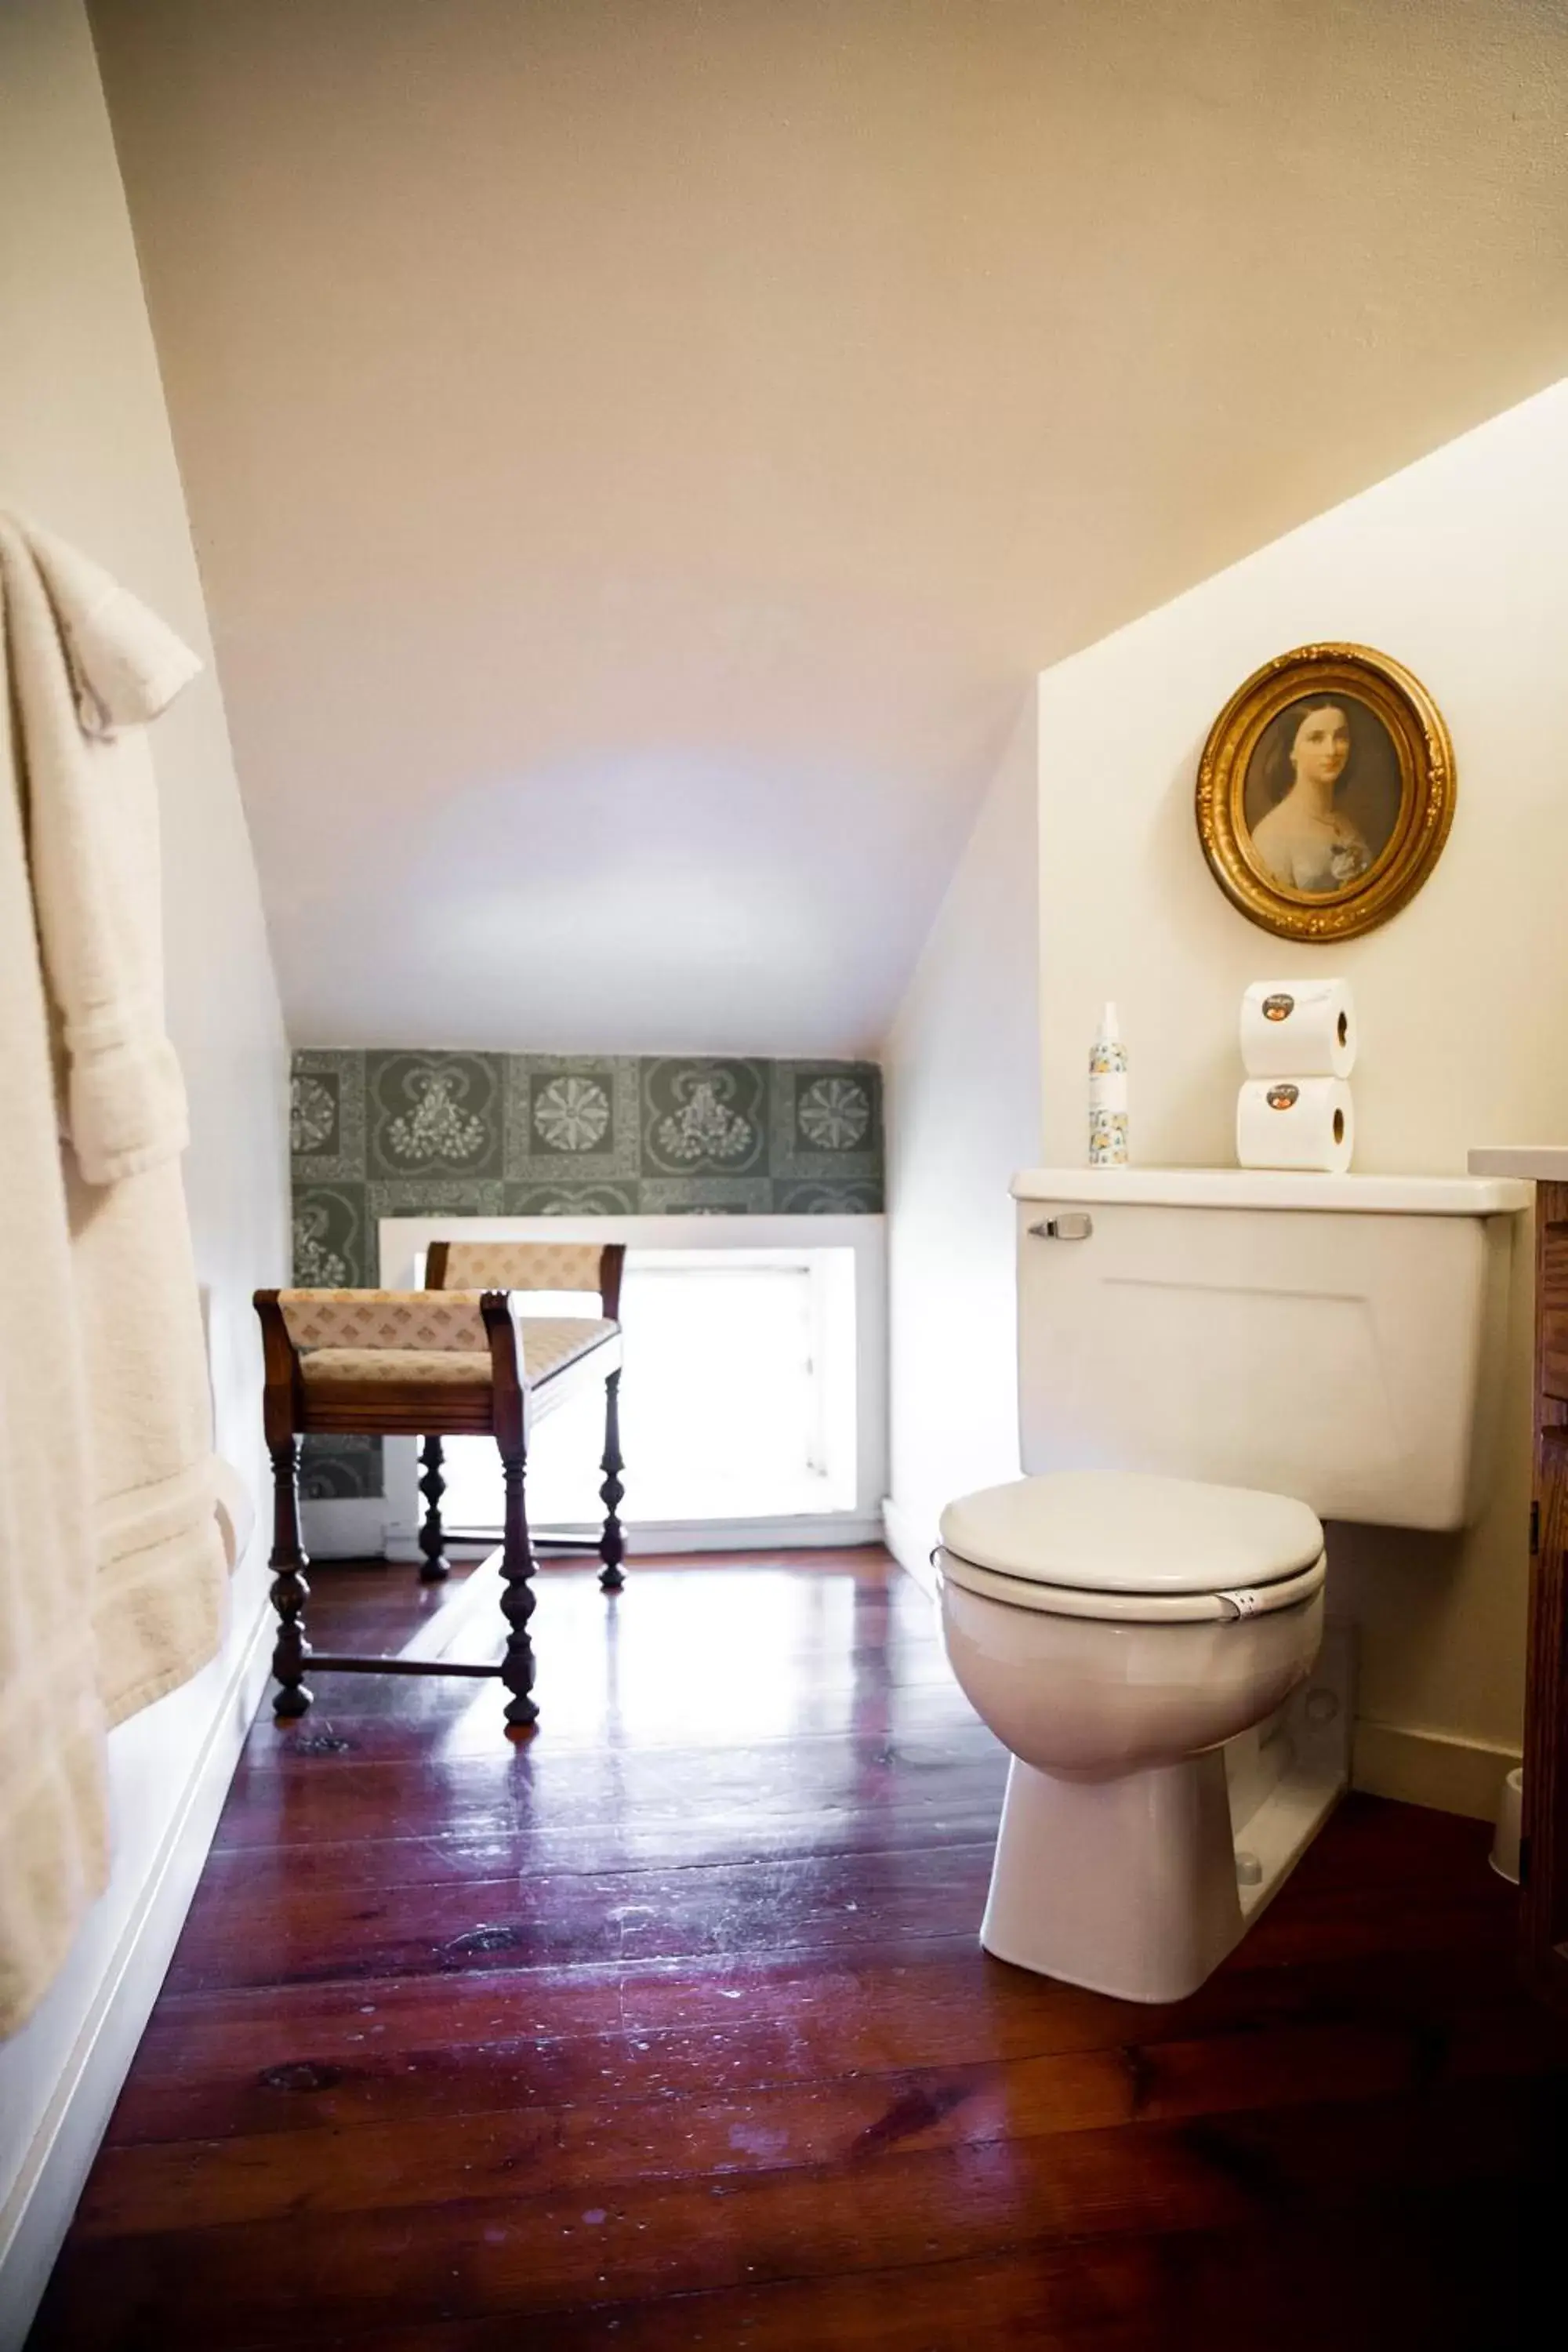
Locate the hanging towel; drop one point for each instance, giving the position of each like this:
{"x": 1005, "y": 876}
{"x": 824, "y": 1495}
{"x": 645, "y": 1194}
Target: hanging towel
{"x": 90, "y": 667}
{"x": 112, "y": 1589}
{"x": 54, "y": 1847}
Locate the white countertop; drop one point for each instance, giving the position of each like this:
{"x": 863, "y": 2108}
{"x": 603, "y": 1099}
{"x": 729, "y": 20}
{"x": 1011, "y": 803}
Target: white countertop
{"x": 1543, "y": 1163}
{"x": 1476, "y": 1196}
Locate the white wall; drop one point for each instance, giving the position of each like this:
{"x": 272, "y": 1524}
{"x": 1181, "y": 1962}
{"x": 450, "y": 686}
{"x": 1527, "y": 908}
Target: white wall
{"x": 85, "y": 449}
{"x": 1455, "y": 567}
{"x": 963, "y": 1107}
{"x": 641, "y": 447}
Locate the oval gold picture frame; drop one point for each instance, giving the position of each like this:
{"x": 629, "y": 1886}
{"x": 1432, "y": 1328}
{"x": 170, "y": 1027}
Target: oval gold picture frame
{"x": 1405, "y": 845}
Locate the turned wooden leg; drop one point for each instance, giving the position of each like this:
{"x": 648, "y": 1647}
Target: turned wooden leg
{"x": 612, "y": 1542}
{"x": 436, "y": 1566}
{"x": 517, "y": 1598}
{"x": 289, "y": 1590}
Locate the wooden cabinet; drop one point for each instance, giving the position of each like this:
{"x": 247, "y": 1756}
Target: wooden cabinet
{"x": 1544, "y": 1857}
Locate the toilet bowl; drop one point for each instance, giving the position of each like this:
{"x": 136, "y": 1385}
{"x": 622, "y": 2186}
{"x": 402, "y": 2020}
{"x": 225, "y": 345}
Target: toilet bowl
{"x": 1114, "y": 1631}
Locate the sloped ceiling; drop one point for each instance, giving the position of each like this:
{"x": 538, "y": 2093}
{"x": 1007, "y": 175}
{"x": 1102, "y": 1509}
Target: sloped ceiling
{"x": 640, "y": 449}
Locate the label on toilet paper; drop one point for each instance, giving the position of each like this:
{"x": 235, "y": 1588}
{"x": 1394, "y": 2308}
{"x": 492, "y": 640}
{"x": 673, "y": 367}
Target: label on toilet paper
{"x": 1304, "y": 1124}
{"x": 1298, "y": 1029}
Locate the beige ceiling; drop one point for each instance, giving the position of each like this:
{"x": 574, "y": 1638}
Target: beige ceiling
{"x": 640, "y": 449}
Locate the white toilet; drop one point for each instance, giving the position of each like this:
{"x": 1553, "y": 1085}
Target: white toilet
{"x": 1208, "y": 1361}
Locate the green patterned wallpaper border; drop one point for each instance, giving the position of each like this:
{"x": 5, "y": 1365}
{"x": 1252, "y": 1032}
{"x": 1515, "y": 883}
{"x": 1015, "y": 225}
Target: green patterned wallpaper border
{"x": 388, "y": 1131}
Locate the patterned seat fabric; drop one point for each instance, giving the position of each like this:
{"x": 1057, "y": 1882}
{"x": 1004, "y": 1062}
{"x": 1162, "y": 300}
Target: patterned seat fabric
{"x": 395, "y": 1367}
{"x": 384, "y": 1318}
{"x": 550, "y": 1343}
{"x": 389, "y": 1337}
{"x": 524, "y": 1265}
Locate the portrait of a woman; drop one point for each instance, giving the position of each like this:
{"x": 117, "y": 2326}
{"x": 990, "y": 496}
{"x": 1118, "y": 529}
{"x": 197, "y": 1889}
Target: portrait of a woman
{"x": 1322, "y": 793}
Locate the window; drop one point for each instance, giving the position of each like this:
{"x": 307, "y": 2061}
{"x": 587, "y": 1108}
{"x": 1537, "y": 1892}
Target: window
{"x": 738, "y": 1401}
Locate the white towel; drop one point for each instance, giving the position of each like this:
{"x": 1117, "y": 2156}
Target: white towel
{"x": 90, "y": 667}
{"x": 54, "y": 1847}
{"x": 113, "y": 1572}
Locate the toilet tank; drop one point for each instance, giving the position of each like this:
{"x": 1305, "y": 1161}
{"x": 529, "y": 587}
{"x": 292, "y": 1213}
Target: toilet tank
{"x": 1334, "y": 1337}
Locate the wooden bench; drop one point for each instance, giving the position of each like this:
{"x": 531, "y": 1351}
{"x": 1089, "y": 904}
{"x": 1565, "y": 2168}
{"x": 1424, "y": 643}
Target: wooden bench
{"x": 585, "y": 1266}
{"x": 435, "y": 1363}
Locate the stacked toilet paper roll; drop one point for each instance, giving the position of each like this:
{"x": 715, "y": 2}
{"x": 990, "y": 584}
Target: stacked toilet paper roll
{"x": 1299, "y": 1046}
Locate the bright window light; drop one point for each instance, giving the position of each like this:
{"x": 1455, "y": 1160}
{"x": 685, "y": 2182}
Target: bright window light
{"x": 737, "y": 1402}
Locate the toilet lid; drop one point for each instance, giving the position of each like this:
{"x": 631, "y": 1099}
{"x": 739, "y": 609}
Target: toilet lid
{"x": 1114, "y": 1531}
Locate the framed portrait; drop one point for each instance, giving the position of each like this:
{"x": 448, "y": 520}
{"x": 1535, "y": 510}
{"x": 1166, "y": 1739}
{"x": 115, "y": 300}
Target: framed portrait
{"x": 1325, "y": 791}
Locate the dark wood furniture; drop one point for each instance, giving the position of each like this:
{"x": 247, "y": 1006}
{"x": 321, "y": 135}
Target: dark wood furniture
{"x": 533, "y": 1266}
{"x": 1543, "y": 1867}
{"x": 395, "y": 1363}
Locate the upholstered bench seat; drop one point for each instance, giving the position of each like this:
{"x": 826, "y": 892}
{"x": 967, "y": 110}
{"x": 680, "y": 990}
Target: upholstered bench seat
{"x": 395, "y": 1366}
{"x": 441, "y": 1362}
{"x": 549, "y": 1344}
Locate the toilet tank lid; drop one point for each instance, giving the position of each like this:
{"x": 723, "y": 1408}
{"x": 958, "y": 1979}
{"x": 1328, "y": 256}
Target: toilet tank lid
{"x": 1121, "y": 1531}
{"x": 1253, "y": 1188}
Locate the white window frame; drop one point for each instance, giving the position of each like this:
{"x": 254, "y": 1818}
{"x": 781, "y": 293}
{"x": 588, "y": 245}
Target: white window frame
{"x": 349, "y": 1527}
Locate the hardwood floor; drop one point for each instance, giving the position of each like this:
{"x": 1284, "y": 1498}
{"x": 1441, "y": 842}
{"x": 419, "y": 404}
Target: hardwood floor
{"x": 669, "y": 2028}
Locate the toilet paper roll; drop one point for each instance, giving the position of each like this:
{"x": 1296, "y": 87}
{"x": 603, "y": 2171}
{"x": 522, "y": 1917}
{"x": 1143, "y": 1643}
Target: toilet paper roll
{"x": 1304, "y": 1123}
{"x": 1298, "y": 1029}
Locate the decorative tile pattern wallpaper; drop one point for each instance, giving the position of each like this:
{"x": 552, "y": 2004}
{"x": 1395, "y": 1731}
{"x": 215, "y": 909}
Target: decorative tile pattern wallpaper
{"x": 386, "y": 1133}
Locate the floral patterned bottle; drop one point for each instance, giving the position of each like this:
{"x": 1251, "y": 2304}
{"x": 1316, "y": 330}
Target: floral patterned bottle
{"x": 1108, "y": 1095}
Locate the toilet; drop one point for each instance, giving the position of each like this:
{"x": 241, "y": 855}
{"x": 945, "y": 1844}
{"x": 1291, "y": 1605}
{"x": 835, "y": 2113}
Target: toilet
{"x": 1211, "y": 1363}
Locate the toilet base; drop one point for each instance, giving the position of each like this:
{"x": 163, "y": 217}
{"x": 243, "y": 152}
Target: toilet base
{"x": 1126, "y": 1886}
{"x": 1130, "y": 1887}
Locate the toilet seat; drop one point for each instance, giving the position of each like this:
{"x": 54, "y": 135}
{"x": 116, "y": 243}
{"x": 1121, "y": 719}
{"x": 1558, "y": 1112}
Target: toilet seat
{"x": 1146, "y": 1550}
{"x": 1133, "y": 1608}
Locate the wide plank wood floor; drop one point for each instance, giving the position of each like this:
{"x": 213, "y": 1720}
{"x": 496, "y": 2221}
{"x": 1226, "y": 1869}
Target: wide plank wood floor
{"x": 669, "y": 2028}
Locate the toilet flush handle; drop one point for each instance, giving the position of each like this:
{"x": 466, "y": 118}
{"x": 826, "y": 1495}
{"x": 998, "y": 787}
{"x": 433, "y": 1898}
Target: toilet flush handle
{"x": 1072, "y": 1225}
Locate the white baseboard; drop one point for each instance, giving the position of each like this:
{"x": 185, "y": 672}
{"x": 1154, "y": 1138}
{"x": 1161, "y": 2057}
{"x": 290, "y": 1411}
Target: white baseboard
{"x": 362, "y": 1527}
{"x": 345, "y": 1527}
{"x": 1431, "y": 1767}
{"x": 37, "y": 2212}
{"x": 811, "y": 1531}
{"x": 910, "y": 1545}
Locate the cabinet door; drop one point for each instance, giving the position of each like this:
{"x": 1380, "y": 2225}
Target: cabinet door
{"x": 1546, "y": 1871}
